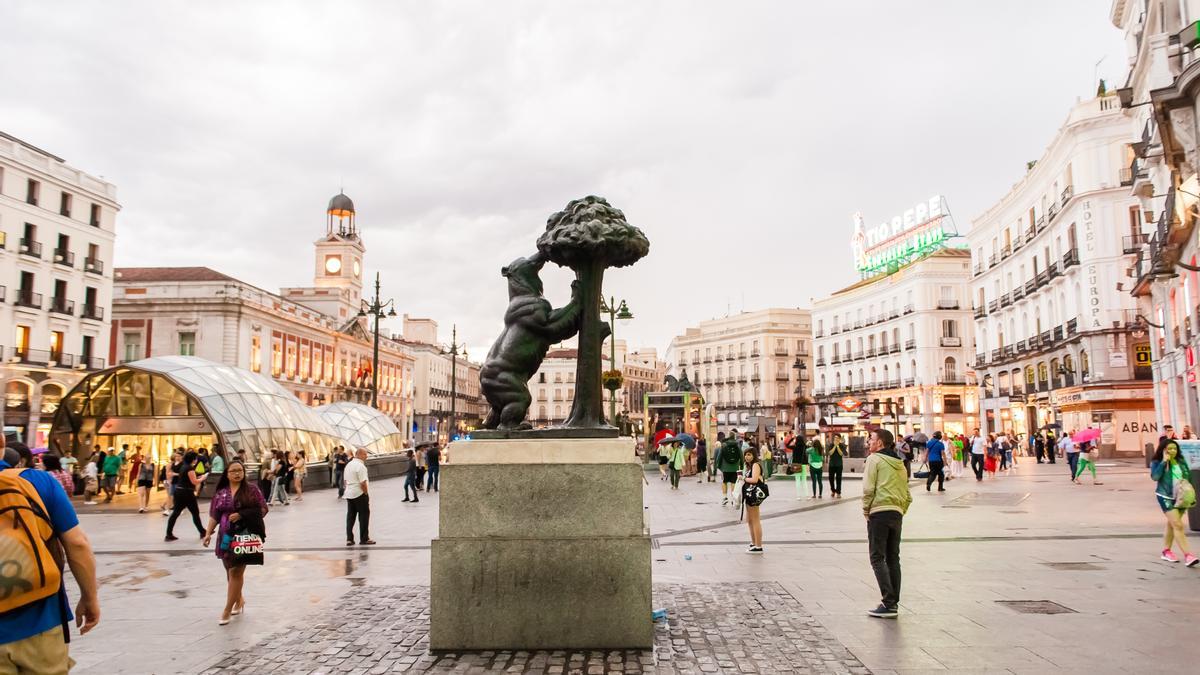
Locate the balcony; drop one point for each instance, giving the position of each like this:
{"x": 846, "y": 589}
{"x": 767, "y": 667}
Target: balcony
{"x": 1066, "y": 195}
{"x": 27, "y": 298}
{"x": 893, "y": 314}
{"x": 834, "y": 360}
{"x": 991, "y": 261}
{"x": 1018, "y": 292}
{"x": 858, "y": 324}
{"x": 62, "y": 306}
{"x": 1034, "y": 342}
{"x": 1132, "y": 243}
{"x": 996, "y": 354}
{"x": 820, "y": 361}
{"x": 30, "y": 248}
{"x": 755, "y": 378}
{"x": 1040, "y": 225}
{"x": 1053, "y": 270}
{"x": 909, "y": 382}
{"x": 1072, "y": 327}
{"x": 859, "y": 355}
{"x": 781, "y": 377}
{"x": 980, "y": 312}
{"x": 993, "y": 305}
{"x": 1030, "y": 234}
{"x": 947, "y": 303}
{"x": 1071, "y": 258}
{"x": 819, "y": 334}
{"x": 64, "y": 258}
{"x": 1042, "y": 278}
{"x": 93, "y": 265}
{"x": 1009, "y": 351}
{"x": 1030, "y": 287}
{"x": 754, "y": 353}
{"x": 950, "y": 341}
{"x": 952, "y": 379}
{"x": 834, "y": 331}
{"x": 1046, "y": 338}
{"x": 779, "y": 351}
{"x": 1006, "y": 300}
{"x": 1058, "y": 333}
{"x": 708, "y": 359}
{"x": 741, "y": 379}
{"x": 1018, "y": 242}
{"x": 1022, "y": 346}
{"x": 910, "y": 344}
{"x": 894, "y": 348}
{"x": 1005, "y": 252}
{"x": 980, "y": 360}
{"x": 909, "y": 309}
{"x": 93, "y": 312}
{"x": 977, "y": 269}
{"x": 1052, "y": 211}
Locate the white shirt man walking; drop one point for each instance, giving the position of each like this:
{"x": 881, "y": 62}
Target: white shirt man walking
{"x": 358, "y": 503}
{"x": 978, "y": 448}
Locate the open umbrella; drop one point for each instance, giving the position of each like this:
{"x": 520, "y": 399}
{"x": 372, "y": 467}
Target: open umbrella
{"x": 688, "y": 440}
{"x": 1088, "y": 434}
{"x": 667, "y": 439}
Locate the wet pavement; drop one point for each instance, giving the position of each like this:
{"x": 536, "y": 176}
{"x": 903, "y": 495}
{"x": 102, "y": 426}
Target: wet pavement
{"x": 969, "y": 554}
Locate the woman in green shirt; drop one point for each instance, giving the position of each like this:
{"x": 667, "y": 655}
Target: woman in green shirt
{"x": 816, "y": 461}
{"x": 837, "y": 450}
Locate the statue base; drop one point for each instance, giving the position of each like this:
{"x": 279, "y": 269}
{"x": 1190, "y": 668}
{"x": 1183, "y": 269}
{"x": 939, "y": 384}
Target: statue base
{"x": 542, "y": 544}
{"x": 553, "y": 432}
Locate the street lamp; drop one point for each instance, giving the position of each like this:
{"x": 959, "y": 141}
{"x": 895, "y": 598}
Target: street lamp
{"x": 454, "y": 345}
{"x": 801, "y": 402}
{"x": 615, "y": 313}
{"x": 375, "y": 309}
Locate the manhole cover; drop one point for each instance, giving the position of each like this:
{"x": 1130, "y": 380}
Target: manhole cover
{"x": 1036, "y": 607}
{"x": 1082, "y": 566}
{"x": 992, "y": 498}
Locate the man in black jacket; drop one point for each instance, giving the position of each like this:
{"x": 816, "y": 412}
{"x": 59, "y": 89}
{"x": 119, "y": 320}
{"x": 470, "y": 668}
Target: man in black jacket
{"x": 412, "y": 478}
{"x": 433, "y": 463}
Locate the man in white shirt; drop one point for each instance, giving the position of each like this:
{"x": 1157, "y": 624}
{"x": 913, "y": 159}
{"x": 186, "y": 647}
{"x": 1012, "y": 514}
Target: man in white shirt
{"x": 1070, "y": 452}
{"x": 978, "y": 448}
{"x": 358, "y": 504}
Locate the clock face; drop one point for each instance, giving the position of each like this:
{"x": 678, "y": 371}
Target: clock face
{"x": 333, "y": 264}
{"x": 357, "y": 269}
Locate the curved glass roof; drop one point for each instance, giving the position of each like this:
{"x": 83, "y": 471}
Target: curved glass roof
{"x": 363, "y": 426}
{"x": 248, "y": 410}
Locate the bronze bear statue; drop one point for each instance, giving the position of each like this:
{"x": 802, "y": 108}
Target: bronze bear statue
{"x": 530, "y": 327}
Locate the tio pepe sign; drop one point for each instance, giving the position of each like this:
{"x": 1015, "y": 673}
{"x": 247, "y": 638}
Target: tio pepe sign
{"x": 915, "y": 231}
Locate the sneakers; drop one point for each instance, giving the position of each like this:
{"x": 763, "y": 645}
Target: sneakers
{"x": 1169, "y": 555}
{"x": 883, "y": 612}
{"x": 1190, "y": 560}
{"x": 94, "y": 503}
{"x": 724, "y": 501}
{"x": 170, "y": 537}
{"x": 754, "y": 549}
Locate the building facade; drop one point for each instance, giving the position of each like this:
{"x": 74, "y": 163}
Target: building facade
{"x": 902, "y": 338}
{"x": 1162, "y": 93}
{"x": 643, "y": 372}
{"x": 320, "y": 357}
{"x": 434, "y": 368}
{"x": 1053, "y": 345}
{"x": 57, "y": 227}
{"x": 746, "y": 365}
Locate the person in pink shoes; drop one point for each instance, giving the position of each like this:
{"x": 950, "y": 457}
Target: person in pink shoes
{"x": 1175, "y": 496}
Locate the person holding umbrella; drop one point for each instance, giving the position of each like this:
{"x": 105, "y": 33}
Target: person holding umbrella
{"x": 1086, "y": 440}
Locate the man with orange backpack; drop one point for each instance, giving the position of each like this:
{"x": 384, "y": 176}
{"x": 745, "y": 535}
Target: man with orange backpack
{"x": 38, "y": 529}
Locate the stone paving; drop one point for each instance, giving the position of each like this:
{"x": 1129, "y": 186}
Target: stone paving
{"x": 751, "y": 627}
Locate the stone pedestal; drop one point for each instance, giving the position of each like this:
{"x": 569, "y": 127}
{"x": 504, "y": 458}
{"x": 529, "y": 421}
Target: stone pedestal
{"x": 542, "y": 544}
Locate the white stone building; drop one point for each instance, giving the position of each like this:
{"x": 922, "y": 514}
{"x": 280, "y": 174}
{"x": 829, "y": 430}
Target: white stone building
{"x": 744, "y": 364}
{"x": 1051, "y": 328}
{"x": 904, "y": 338}
{"x": 1162, "y": 94}
{"x": 57, "y": 227}
{"x": 310, "y": 340}
{"x": 433, "y": 367}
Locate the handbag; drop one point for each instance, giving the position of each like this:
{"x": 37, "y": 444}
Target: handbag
{"x": 245, "y": 546}
{"x": 922, "y": 474}
{"x": 755, "y": 493}
{"x": 1184, "y": 494}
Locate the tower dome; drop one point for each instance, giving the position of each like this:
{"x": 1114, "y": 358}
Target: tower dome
{"x": 340, "y": 206}
{"x": 339, "y": 218}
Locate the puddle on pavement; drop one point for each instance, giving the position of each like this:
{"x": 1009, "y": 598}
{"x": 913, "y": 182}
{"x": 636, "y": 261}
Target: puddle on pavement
{"x": 333, "y": 568}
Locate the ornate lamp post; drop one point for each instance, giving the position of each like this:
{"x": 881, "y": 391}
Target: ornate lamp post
{"x": 612, "y": 379}
{"x": 801, "y": 397}
{"x": 453, "y": 381}
{"x": 375, "y": 309}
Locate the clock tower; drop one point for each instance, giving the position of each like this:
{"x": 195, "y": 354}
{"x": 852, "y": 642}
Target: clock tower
{"x": 338, "y": 267}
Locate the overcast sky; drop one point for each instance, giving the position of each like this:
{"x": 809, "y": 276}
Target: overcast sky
{"x": 740, "y": 136}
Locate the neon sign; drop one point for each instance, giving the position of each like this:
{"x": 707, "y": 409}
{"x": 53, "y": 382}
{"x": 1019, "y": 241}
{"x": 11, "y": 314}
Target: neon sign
{"x": 916, "y": 232}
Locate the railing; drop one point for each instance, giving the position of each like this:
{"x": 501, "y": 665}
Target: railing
{"x": 894, "y": 348}
{"x": 1132, "y": 243}
{"x": 1042, "y": 278}
{"x": 909, "y": 382}
{"x": 859, "y": 355}
{"x": 64, "y": 258}
{"x": 1005, "y": 251}
{"x": 1034, "y": 342}
{"x": 821, "y": 361}
{"x": 27, "y": 298}
{"x": 62, "y": 306}
{"x": 980, "y": 359}
{"x": 1041, "y": 223}
{"x": 1030, "y": 234}
{"x": 1046, "y": 338}
{"x": 893, "y": 314}
{"x": 1072, "y": 326}
{"x": 947, "y": 303}
{"x": 93, "y": 312}
{"x": 819, "y": 334}
{"x": 1030, "y": 287}
{"x": 1053, "y": 270}
{"x": 1018, "y": 292}
{"x": 1006, "y": 300}
{"x": 1071, "y": 258}
{"x": 1022, "y": 346}
{"x": 1066, "y": 195}
{"x": 993, "y": 305}
{"x": 978, "y": 269}
{"x": 992, "y": 260}
{"x": 1052, "y": 211}
{"x": 858, "y": 324}
{"x": 93, "y": 265}
{"x": 781, "y": 377}
{"x": 910, "y": 344}
{"x": 909, "y": 309}
{"x": 1058, "y": 333}
{"x": 1018, "y": 242}
{"x": 948, "y": 341}
{"x": 30, "y": 248}
{"x": 835, "y": 359}
{"x": 996, "y": 354}
{"x": 1009, "y": 350}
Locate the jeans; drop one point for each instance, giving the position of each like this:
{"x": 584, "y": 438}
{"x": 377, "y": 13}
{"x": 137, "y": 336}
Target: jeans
{"x": 883, "y": 540}
{"x": 1073, "y": 461}
{"x": 818, "y": 484}
{"x": 977, "y": 465}
{"x": 937, "y": 469}
{"x": 835, "y": 479}
{"x": 184, "y": 499}
{"x": 359, "y": 507}
{"x": 339, "y": 481}
{"x": 674, "y": 476}
{"x": 432, "y": 474}
{"x": 279, "y": 489}
{"x": 411, "y": 482}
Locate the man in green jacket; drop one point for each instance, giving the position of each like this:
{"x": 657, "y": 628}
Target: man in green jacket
{"x": 885, "y": 500}
{"x": 729, "y": 462}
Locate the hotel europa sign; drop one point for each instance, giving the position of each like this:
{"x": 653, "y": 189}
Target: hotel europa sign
{"x": 917, "y": 231}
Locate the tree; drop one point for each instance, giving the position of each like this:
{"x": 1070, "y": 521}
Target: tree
{"x": 590, "y": 236}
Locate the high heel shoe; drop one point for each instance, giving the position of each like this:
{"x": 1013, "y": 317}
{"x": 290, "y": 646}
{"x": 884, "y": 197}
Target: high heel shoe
{"x": 240, "y": 608}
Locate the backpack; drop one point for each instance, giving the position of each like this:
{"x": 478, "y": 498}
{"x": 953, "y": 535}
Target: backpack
{"x": 30, "y": 555}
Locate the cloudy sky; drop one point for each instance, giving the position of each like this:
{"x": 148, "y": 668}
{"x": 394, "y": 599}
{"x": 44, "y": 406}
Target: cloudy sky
{"x": 740, "y": 136}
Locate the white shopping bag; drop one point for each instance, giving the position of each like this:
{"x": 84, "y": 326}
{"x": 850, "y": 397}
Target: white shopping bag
{"x": 737, "y": 493}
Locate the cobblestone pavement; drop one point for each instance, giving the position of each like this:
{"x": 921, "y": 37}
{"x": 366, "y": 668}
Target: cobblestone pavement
{"x": 752, "y": 627}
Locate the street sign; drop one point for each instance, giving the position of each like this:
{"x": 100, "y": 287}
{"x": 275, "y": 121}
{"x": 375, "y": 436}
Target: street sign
{"x": 849, "y": 404}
